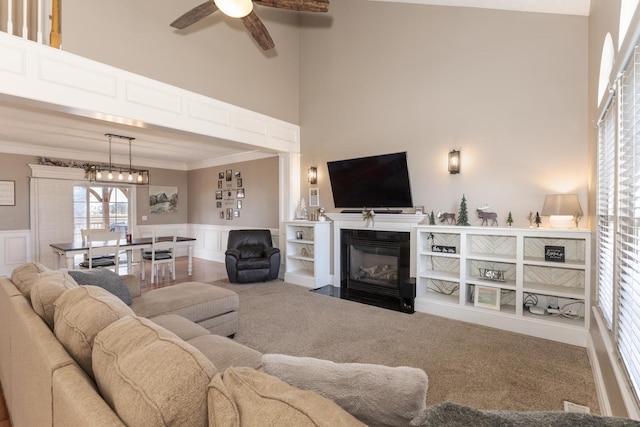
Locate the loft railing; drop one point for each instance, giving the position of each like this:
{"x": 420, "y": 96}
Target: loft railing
{"x": 35, "y": 20}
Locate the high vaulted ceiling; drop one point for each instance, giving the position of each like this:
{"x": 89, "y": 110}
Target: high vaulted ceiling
{"x": 31, "y": 130}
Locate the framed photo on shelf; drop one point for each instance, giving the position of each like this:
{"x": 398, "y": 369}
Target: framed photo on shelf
{"x": 487, "y": 297}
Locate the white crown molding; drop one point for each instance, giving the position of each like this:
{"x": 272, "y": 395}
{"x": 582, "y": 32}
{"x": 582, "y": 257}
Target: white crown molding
{"x": 562, "y": 7}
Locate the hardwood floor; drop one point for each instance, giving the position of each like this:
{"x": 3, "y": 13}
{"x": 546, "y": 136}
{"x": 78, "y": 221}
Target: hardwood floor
{"x": 203, "y": 271}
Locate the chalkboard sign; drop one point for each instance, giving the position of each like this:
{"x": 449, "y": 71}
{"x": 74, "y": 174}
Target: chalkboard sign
{"x": 444, "y": 249}
{"x": 554, "y": 253}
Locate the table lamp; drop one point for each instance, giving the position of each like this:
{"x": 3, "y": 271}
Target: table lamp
{"x": 562, "y": 209}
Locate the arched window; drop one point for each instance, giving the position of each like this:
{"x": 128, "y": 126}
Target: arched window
{"x": 627, "y": 8}
{"x": 606, "y": 65}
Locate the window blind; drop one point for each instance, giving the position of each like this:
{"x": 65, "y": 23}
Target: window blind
{"x": 628, "y": 229}
{"x": 606, "y": 211}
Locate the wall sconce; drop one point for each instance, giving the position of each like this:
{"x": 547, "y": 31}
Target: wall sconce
{"x": 564, "y": 210}
{"x": 312, "y": 175}
{"x": 454, "y": 161}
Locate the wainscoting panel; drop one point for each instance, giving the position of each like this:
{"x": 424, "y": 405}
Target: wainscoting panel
{"x": 14, "y": 250}
{"x": 211, "y": 241}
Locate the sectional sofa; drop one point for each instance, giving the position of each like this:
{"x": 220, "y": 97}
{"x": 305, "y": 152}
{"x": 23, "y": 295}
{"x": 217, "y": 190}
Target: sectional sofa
{"x": 79, "y": 354}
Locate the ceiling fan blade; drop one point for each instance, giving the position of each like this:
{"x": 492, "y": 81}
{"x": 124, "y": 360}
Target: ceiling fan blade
{"x": 299, "y": 5}
{"x": 257, "y": 29}
{"x": 195, "y": 15}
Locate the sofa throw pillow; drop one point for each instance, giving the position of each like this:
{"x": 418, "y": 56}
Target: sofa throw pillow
{"x": 25, "y": 275}
{"x": 81, "y": 313}
{"x": 105, "y": 279}
{"x": 377, "y": 395}
{"x": 46, "y": 290}
{"x": 149, "y": 376}
{"x": 252, "y": 398}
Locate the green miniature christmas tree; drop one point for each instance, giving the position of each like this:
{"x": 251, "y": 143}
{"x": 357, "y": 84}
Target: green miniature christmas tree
{"x": 463, "y": 216}
{"x": 432, "y": 218}
{"x": 538, "y": 220}
{"x": 509, "y": 219}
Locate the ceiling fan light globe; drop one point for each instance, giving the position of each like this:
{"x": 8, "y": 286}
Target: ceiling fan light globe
{"x": 235, "y": 8}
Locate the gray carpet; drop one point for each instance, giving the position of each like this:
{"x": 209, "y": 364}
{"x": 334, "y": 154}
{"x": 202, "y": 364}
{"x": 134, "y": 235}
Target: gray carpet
{"x": 469, "y": 364}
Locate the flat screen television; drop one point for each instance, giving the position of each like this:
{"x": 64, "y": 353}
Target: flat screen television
{"x": 371, "y": 182}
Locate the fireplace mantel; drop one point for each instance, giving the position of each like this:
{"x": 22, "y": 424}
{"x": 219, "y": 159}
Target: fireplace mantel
{"x": 382, "y": 222}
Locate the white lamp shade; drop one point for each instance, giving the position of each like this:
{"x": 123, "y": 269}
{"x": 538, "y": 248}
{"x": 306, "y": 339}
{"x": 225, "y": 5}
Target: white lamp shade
{"x": 561, "y": 210}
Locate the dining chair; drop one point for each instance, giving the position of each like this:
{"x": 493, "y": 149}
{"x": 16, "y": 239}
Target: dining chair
{"x": 163, "y": 245}
{"x": 104, "y": 250}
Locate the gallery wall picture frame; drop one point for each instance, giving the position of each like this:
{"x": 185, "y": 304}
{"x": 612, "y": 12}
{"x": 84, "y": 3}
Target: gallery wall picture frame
{"x": 487, "y": 297}
{"x": 7, "y": 193}
{"x": 240, "y": 193}
{"x": 218, "y": 204}
{"x": 239, "y": 182}
{"x": 219, "y": 184}
{"x": 239, "y": 204}
{"x": 219, "y": 195}
{"x": 314, "y": 197}
{"x": 229, "y": 214}
{"x": 221, "y": 214}
{"x": 236, "y": 214}
{"x": 220, "y": 175}
{"x": 228, "y": 175}
{"x": 238, "y": 175}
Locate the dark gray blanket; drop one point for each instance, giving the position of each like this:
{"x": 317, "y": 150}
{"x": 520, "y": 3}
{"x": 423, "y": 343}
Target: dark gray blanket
{"x": 450, "y": 414}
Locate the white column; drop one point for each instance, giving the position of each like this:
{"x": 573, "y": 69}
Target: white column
{"x": 10, "y": 16}
{"x": 25, "y": 16}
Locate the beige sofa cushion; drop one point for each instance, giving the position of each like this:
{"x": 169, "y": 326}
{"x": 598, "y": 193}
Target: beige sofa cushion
{"x": 25, "y": 275}
{"x": 225, "y": 352}
{"x": 46, "y": 290}
{"x": 81, "y": 313}
{"x": 375, "y": 394}
{"x": 149, "y": 376}
{"x": 248, "y": 397}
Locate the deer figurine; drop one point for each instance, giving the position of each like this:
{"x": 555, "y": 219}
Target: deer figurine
{"x": 487, "y": 216}
{"x": 447, "y": 217}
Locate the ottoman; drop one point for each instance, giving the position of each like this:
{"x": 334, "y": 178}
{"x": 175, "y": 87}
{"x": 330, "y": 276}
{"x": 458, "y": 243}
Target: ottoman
{"x": 212, "y": 307}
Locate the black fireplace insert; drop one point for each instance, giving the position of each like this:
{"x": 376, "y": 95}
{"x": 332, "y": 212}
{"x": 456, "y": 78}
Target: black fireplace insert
{"x": 375, "y": 269}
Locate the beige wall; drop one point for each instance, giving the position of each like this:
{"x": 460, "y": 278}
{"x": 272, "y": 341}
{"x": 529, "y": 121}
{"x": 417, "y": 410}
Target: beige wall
{"x": 508, "y": 89}
{"x": 260, "y": 205}
{"x": 14, "y": 167}
{"x": 216, "y": 57}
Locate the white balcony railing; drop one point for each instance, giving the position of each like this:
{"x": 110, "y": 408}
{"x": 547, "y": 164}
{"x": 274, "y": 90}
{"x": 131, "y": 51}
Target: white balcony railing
{"x": 35, "y": 20}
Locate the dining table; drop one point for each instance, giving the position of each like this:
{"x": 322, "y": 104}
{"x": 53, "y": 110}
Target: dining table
{"x": 68, "y": 251}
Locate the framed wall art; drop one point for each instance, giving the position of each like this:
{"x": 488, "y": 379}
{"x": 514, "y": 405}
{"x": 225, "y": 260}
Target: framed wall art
{"x": 7, "y": 193}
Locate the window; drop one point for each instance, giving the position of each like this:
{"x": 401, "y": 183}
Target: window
{"x": 618, "y": 219}
{"x": 105, "y": 207}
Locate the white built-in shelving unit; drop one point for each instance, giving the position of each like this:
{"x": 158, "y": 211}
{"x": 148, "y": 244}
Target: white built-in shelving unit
{"x": 308, "y": 253}
{"x": 449, "y": 264}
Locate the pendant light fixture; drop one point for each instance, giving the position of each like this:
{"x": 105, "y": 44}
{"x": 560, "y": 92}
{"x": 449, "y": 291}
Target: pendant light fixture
{"x": 134, "y": 176}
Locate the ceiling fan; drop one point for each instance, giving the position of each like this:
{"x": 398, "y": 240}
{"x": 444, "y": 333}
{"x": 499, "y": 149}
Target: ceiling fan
{"x": 243, "y": 9}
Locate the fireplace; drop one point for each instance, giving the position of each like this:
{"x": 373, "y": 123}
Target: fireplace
{"x": 375, "y": 268}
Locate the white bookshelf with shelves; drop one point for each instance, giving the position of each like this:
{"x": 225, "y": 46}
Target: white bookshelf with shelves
{"x": 307, "y": 253}
{"x": 451, "y": 261}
